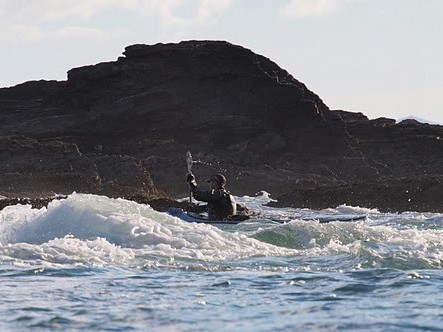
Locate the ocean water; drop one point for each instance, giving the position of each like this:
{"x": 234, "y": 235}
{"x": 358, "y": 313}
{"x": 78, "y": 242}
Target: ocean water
{"x": 94, "y": 263}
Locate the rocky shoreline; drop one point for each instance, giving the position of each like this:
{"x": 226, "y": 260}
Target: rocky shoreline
{"x": 420, "y": 194}
{"x": 122, "y": 129}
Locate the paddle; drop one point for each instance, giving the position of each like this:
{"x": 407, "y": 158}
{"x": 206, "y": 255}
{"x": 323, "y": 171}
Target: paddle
{"x": 189, "y": 164}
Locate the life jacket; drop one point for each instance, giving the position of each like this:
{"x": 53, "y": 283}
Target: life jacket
{"x": 223, "y": 207}
{"x": 221, "y": 204}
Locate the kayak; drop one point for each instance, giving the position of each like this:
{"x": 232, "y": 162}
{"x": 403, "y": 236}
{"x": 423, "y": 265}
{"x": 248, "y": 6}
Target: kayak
{"x": 203, "y": 217}
{"x": 236, "y": 219}
{"x": 332, "y": 218}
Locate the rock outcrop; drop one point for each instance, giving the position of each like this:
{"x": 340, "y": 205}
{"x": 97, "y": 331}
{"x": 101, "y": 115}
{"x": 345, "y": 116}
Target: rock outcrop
{"x": 408, "y": 157}
{"x": 387, "y": 194}
{"x": 122, "y": 128}
{"x": 409, "y": 148}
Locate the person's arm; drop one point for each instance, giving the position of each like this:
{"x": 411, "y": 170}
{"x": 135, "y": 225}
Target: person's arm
{"x": 200, "y": 195}
{"x": 206, "y": 196}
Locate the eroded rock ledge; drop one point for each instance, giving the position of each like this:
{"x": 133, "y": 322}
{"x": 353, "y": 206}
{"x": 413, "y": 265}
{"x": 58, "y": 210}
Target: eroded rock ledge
{"x": 122, "y": 129}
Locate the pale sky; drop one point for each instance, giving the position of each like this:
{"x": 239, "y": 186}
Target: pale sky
{"x": 379, "y": 57}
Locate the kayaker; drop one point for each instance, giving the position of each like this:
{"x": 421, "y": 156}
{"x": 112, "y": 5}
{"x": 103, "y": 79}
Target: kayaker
{"x": 221, "y": 204}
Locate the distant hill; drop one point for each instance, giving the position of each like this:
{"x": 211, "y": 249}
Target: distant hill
{"x": 421, "y": 120}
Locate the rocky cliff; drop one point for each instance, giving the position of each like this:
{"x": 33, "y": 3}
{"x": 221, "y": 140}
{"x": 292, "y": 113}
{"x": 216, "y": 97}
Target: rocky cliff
{"x": 122, "y": 128}
{"x": 408, "y": 158}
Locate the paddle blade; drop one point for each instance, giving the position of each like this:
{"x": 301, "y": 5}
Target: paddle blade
{"x": 189, "y": 161}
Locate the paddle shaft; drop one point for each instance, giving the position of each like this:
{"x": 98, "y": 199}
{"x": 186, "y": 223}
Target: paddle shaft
{"x": 189, "y": 164}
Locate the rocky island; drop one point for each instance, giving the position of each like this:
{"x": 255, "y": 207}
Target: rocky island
{"x": 122, "y": 129}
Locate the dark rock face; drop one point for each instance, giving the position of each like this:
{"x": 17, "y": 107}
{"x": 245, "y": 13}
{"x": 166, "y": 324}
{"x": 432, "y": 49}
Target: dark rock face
{"x": 414, "y": 193}
{"x": 409, "y": 148}
{"x": 120, "y": 127}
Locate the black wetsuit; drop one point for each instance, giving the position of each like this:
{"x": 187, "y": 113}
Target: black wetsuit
{"x": 221, "y": 204}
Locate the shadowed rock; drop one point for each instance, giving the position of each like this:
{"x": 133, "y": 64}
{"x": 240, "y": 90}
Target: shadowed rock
{"x": 122, "y": 128}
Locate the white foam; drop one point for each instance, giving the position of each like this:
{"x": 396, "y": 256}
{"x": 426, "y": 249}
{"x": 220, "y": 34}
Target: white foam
{"x": 96, "y": 229}
{"x": 379, "y": 245}
{"x": 255, "y": 202}
{"x": 355, "y": 209}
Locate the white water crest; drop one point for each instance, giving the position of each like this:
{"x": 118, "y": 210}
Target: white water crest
{"x": 99, "y": 230}
{"x": 96, "y": 230}
{"x": 62, "y": 266}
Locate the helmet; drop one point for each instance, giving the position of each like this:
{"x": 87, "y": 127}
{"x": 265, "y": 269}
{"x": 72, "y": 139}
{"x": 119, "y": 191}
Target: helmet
{"x": 219, "y": 178}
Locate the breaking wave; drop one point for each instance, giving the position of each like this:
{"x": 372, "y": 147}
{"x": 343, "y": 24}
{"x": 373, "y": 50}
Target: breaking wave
{"x": 96, "y": 230}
